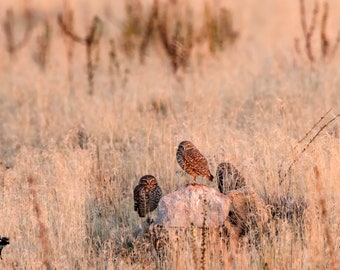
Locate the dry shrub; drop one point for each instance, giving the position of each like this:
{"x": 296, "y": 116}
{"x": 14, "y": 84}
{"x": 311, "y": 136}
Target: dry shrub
{"x": 328, "y": 49}
{"x": 132, "y": 27}
{"x": 43, "y": 40}
{"x": 287, "y": 208}
{"x": 90, "y": 41}
{"x": 13, "y": 45}
{"x": 248, "y": 214}
{"x": 218, "y": 28}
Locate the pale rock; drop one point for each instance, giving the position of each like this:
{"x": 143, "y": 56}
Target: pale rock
{"x": 187, "y": 206}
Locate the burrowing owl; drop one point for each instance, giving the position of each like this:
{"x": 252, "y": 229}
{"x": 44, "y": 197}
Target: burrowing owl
{"x": 146, "y": 195}
{"x": 192, "y": 161}
{"x": 228, "y": 177}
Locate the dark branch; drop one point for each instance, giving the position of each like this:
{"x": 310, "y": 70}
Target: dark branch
{"x": 64, "y": 27}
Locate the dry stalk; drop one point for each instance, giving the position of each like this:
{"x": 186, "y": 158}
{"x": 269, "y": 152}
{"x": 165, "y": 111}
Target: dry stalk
{"x": 159, "y": 237}
{"x": 193, "y": 237}
{"x": 133, "y": 26}
{"x": 114, "y": 66}
{"x": 283, "y": 177}
{"x": 178, "y": 47}
{"x": 43, "y": 231}
{"x": 149, "y": 30}
{"x": 68, "y": 16}
{"x": 308, "y": 31}
{"x": 98, "y": 164}
{"x": 323, "y": 35}
{"x": 226, "y": 32}
{"x": 91, "y": 42}
{"x": 324, "y": 215}
{"x": 218, "y": 29}
{"x": 306, "y": 135}
{"x": 43, "y": 44}
{"x": 327, "y": 49}
{"x": 13, "y": 46}
{"x": 204, "y": 236}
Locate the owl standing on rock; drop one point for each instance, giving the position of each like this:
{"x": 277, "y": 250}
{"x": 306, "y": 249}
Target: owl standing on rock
{"x": 146, "y": 195}
{"x": 192, "y": 161}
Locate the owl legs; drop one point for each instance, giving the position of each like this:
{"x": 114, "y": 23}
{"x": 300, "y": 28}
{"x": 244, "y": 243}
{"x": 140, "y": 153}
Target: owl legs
{"x": 149, "y": 220}
{"x": 193, "y": 182}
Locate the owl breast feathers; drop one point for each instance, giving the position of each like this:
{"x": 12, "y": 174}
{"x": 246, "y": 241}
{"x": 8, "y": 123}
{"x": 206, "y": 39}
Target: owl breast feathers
{"x": 146, "y": 195}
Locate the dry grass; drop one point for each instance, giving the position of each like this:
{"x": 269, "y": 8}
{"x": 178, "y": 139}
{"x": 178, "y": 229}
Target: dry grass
{"x": 248, "y": 104}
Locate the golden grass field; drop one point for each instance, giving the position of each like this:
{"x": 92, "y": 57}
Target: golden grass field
{"x": 74, "y": 159}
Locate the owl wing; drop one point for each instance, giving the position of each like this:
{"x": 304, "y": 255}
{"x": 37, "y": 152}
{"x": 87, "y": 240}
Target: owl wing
{"x": 196, "y": 159}
{"x": 136, "y": 192}
{"x": 154, "y": 197}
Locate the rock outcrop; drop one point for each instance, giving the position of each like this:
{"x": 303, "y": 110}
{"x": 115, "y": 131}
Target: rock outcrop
{"x": 188, "y": 206}
{"x": 200, "y": 212}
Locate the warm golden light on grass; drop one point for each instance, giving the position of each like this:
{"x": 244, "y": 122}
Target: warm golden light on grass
{"x": 74, "y": 158}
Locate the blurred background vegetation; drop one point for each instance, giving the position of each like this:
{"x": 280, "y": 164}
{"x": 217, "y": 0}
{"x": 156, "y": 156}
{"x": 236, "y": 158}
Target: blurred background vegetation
{"x": 93, "y": 95}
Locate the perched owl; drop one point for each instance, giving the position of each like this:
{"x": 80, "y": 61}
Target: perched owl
{"x": 228, "y": 177}
{"x": 146, "y": 195}
{"x": 192, "y": 161}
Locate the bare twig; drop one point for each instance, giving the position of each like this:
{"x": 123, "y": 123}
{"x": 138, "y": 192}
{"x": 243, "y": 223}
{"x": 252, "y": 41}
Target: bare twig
{"x": 328, "y": 50}
{"x": 150, "y": 27}
{"x": 68, "y": 17}
{"x": 114, "y": 66}
{"x": 91, "y": 42}
{"x": 43, "y": 44}
{"x": 308, "y": 31}
{"x": 323, "y": 36}
{"x": 282, "y": 178}
{"x": 178, "y": 47}
{"x": 164, "y": 34}
{"x": 69, "y": 32}
{"x": 43, "y": 230}
{"x": 321, "y": 118}
{"x": 8, "y": 25}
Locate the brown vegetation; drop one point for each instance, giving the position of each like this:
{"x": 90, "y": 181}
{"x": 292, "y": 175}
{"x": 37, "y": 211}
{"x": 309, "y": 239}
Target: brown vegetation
{"x": 327, "y": 48}
{"x": 244, "y": 99}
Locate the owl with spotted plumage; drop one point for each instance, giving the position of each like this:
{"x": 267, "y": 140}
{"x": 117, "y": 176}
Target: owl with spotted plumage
{"x": 229, "y": 178}
{"x": 146, "y": 195}
{"x": 192, "y": 161}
